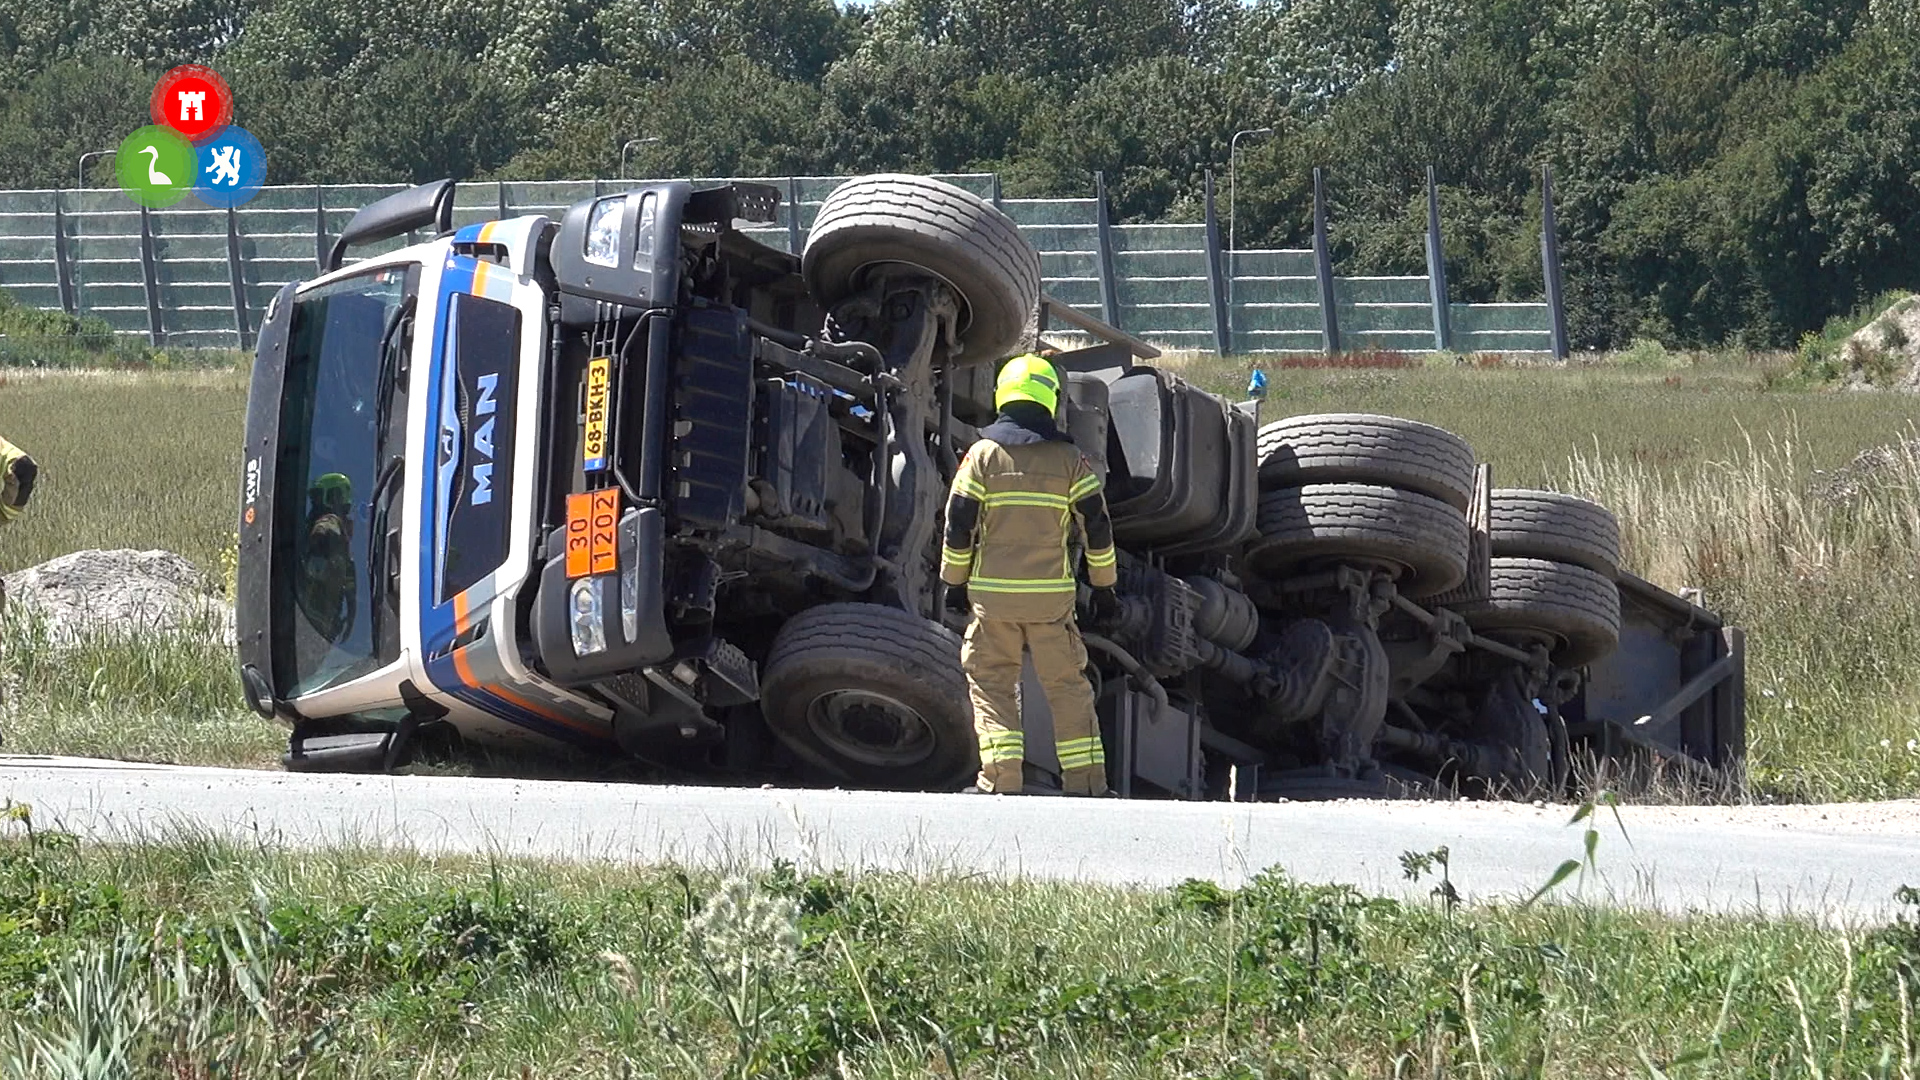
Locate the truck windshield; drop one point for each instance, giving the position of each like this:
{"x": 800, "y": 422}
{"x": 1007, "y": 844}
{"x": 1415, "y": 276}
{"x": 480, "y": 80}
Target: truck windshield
{"x": 341, "y": 338}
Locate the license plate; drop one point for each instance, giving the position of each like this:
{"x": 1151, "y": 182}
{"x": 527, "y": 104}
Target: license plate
{"x": 593, "y": 519}
{"x": 594, "y": 447}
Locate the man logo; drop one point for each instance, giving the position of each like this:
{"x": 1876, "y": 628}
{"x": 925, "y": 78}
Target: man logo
{"x": 481, "y": 472}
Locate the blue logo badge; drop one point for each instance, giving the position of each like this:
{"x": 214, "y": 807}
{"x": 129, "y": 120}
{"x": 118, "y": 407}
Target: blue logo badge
{"x": 232, "y": 168}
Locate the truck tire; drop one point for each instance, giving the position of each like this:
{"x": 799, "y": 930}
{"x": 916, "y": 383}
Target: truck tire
{"x": 1577, "y": 606}
{"x": 1561, "y": 528}
{"x": 1426, "y": 539}
{"x": 1359, "y": 448}
{"x": 953, "y": 234}
{"x": 872, "y": 695}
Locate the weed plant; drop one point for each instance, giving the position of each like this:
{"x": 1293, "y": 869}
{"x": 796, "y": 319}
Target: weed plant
{"x": 1828, "y": 586}
{"x": 201, "y": 958}
{"x": 32, "y": 337}
{"x": 1821, "y": 358}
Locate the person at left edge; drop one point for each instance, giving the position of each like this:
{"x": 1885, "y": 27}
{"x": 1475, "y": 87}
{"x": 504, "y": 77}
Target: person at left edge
{"x": 17, "y": 474}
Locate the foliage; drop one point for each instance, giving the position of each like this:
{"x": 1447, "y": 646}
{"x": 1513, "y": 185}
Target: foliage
{"x": 32, "y": 337}
{"x": 1821, "y": 358}
{"x": 199, "y": 957}
{"x": 1727, "y": 172}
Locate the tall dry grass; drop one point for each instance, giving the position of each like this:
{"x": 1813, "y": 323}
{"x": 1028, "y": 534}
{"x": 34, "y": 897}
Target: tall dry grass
{"x": 1825, "y": 582}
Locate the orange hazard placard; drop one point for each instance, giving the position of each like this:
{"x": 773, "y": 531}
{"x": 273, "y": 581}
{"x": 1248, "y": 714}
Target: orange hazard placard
{"x": 593, "y": 519}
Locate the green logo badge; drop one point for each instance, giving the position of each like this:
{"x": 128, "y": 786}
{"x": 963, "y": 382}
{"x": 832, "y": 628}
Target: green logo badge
{"x": 156, "y": 166}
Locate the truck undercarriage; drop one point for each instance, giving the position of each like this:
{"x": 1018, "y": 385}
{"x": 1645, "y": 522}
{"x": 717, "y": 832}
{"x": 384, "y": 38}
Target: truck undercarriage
{"x": 741, "y": 459}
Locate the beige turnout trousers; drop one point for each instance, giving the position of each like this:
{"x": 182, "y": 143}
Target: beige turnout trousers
{"x": 991, "y": 657}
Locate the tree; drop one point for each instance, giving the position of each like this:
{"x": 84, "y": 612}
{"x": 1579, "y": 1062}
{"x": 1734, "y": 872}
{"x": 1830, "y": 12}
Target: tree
{"x": 428, "y": 114}
{"x": 71, "y": 108}
{"x": 793, "y": 39}
{"x": 735, "y": 118}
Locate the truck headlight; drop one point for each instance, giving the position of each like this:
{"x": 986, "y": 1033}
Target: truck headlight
{"x": 603, "y": 232}
{"x": 630, "y": 599}
{"x": 585, "y": 601}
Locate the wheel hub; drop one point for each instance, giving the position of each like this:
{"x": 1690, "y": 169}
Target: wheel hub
{"x": 871, "y": 728}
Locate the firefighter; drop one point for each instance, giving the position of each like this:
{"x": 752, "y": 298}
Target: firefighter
{"x": 328, "y": 592}
{"x": 1008, "y": 559}
{"x": 17, "y": 474}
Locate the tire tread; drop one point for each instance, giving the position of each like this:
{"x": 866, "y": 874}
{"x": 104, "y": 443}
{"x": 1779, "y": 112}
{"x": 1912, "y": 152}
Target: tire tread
{"x": 1549, "y": 525}
{"x": 1362, "y": 521}
{"x": 1323, "y": 448}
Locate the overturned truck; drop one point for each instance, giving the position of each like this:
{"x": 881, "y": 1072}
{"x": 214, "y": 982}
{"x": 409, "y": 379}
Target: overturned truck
{"x": 634, "y": 482}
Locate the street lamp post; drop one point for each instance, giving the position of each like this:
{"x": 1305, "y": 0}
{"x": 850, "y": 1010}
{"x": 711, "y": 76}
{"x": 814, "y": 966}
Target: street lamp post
{"x": 80, "y": 177}
{"x": 1233, "y": 147}
{"x": 628, "y": 146}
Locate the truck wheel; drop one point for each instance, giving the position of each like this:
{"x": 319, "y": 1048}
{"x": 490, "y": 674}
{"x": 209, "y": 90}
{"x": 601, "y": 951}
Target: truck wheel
{"x": 872, "y": 695}
{"x": 1579, "y": 608}
{"x": 1561, "y": 528}
{"x": 1424, "y": 539}
{"x": 1359, "y": 448}
{"x": 952, "y": 234}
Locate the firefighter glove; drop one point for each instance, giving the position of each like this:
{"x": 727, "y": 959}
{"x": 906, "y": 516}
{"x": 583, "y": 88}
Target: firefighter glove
{"x": 957, "y": 600}
{"x": 1106, "y": 605}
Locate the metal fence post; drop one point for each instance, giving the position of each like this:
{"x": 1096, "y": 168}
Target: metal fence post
{"x": 794, "y": 239}
{"x": 1550, "y": 265}
{"x": 1437, "y": 270}
{"x": 500, "y": 197}
{"x": 320, "y": 228}
{"x": 1323, "y": 266}
{"x": 996, "y": 189}
{"x": 62, "y": 269}
{"x": 1222, "y": 337}
{"x": 236, "y": 281}
{"x": 149, "y": 276}
{"x": 1103, "y": 229}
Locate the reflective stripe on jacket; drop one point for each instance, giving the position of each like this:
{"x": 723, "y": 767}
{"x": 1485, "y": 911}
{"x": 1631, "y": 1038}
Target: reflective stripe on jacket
{"x": 1011, "y": 517}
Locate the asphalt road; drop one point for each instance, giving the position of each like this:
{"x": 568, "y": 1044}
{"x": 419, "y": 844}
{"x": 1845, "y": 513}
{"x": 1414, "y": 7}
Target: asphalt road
{"x": 1840, "y": 863}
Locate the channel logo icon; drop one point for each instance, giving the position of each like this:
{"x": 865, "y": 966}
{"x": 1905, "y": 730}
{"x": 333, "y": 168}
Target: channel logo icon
{"x": 156, "y": 166}
{"x": 193, "y": 101}
{"x": 192, "y": 145}
{"x": 232, "y": 168}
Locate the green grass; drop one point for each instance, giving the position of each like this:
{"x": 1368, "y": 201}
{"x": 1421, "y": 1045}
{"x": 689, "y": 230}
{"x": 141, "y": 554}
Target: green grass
{"x": 127, "y": 459}
{"x": 196, "y": 957}
{"x": 170, "y": 696}
{"x": 1710, "y": 473}
{"x": 1528, "y": 422}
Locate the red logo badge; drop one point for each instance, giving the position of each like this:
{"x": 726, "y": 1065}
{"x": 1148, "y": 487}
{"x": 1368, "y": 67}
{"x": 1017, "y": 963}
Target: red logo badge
{"x": 193, "y": 101}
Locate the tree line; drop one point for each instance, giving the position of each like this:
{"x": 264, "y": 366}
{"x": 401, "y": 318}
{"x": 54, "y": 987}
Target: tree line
{"x": 1726, "y": 171}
